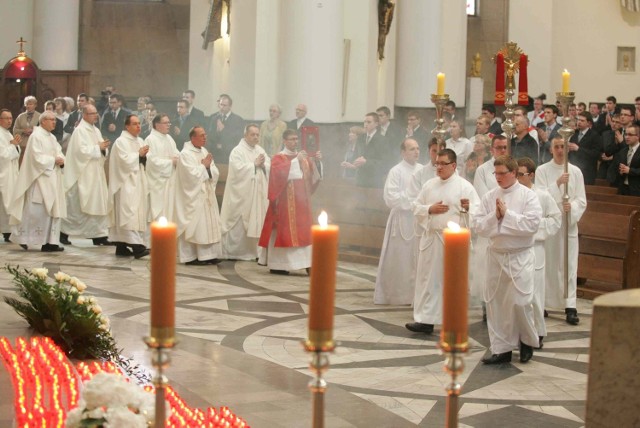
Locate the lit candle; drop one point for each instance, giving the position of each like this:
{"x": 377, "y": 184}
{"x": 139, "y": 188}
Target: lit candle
{"x": 163, "y": 276}
{"x": 440, "y": 85}
{"x": 455, "y": 282}
{"x": 566, "y": 78}
{"x": 324, "y": 260}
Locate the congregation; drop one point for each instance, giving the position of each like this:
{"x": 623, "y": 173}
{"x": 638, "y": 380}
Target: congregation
{"x": 97, "y": 170}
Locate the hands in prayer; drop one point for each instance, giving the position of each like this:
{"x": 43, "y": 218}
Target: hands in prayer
{"x": 59, "y": 160}
{"x": 143, "y": 151}
{"x": 176, "y": 130}
{"x": 174, "y": 160}
{"x": 501, "y": 209}
{"x": 624, "y": 169}
{"x": 259, "y": 162}
{"x": 207, "y": 160}
{"x": 105, "y": 145}
{"x": 16, "y": 140}
{"x": 219, "y": 126}
{"x": 359, "y": 162}
{"x": 438, "y": 208}
{"x": 619, "y": 137}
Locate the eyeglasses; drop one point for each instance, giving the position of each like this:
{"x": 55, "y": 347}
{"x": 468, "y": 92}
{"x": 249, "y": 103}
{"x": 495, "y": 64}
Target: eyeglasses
{"x": 630, "y": 135}
{"x": 500, "y": 173}
{"x": 523, "y": 174}
{"x": 443, "y": 163}
{"x": 165, "y": 123}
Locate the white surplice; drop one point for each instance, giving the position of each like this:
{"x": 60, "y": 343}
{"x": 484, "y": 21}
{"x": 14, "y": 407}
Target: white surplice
{"x": 395, "y": 283}
{"x": 128, "y": 192}
{"x": 159, "y": 169}
{"x": 245, "y": 202}
{"x": 9, "y": 167}
{"x": 38, "y": 203}
{"x": 509, "y": 285}
{"x": 85, "y": 184}
{"x": 421, "y": 175}
{"x": 463, "y": 148}
{"x": 546, "y": 176}
{"x": 194, "y": 206}
{"x": 427, "y": 302}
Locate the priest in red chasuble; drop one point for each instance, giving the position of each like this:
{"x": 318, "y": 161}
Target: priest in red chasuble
{"x": 286, "y": 234}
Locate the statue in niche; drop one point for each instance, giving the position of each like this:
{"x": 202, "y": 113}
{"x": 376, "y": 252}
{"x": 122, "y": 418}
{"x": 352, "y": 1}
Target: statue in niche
{"x": 213, "y": 30}
{"x": 476, "y": 66}
{"x": 385, "y": 17}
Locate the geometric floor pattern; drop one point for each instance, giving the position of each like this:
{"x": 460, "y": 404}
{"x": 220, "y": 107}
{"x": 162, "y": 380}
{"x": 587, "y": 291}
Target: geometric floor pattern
{"x": 397, "y": 377}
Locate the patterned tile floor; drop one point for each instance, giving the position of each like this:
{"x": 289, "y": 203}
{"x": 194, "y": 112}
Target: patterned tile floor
{"x": 240, "y": 331}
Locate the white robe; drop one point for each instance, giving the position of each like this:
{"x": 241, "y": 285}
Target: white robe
{"x": 195, "y": 207}
{"x": 463, "y": 148}
{"x": 395, "y": 282}
{"x": 484, "y": 180}
{"x": 159, "y": 169}
{"x": 549, "y": 226}
{"x": 38, "y": 203}
{"x": 421, "y": 175}
{"x": 546, "y": 176}
{"x": 427, "y": 302}
{"x": 85, "y": 184}
{"x": 245, "y": 202}
{"x": 9, "y": 154}
{"x": 127, "y": 191}
{"x": 509, "y": 285}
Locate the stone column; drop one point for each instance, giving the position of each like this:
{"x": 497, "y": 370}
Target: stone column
{"x": 55, "y": 34}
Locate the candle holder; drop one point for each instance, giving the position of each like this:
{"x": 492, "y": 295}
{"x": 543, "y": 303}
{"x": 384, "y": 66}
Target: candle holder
{"x": 508, "y": 127}
{"x": 439, "y": 132}
{"x": 566, "y": 132}
{"x": 453, "y": 345}
{"x": 319, "y": 364}
{"x": 160, "y": 345}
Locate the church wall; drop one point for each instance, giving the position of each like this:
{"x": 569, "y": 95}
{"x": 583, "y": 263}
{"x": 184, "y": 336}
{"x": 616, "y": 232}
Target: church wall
{"x": 201, "y": 61}
{"x": 16, "y": 20}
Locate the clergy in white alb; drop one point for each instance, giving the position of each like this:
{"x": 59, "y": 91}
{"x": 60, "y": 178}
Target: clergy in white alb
{"x": 85, "y": 181}
{"x": 161, "y": 161}
{"x": 424, "y": 173}
{"x": 484, "y": 179}
{"x": 552, "y": 178}
{"x": 195, "y": 207}
{"x": 37, "y": 202}
{"x": 459, "y": 144}
{"x": 128, "y": 211}
{"x": 445, "y": 198}
{"x": 9, "y": 155}
{"x": 395, "y": 282}
{"x": 245, "y": 200}
{"x": 509, "y": 217}
{"x": 549, "y": 226}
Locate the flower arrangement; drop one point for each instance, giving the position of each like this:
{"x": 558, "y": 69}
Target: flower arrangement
{"x": 63, "y": 312}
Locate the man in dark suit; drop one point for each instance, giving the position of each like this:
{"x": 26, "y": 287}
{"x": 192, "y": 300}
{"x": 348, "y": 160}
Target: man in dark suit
{"x": 372, "y": 164}
{"x": 523, "y": 145}
{"x": 76, "y": 116}
{"x": 300, "y": 120}
{"x": 182, "y": 123}
{"x": 113, "y": 118}
{"x": 392, "y": 133}
{"x": 624, "y": 171}
{"x": 416, "y": 131}
{"x": 612, "y": 143}
{"x": 585, "y": 148}
{"x": 225, "y": 130}
{"x": 197, "y": 114}
{"x": 490, "y": 111}
{"x": 609, "y": 109}
{"x": 547, "y": 131}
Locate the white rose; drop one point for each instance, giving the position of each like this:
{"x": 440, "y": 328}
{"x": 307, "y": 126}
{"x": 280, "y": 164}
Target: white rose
{"x": 96, "y": 309}
{"x": 60, "y": 276}
{"x": 104, "y": 319}
{"x": 81, "y": 300}
{"x": 40, "y": 272}
{"x": 92, "y": 300}
{"x": 81, "y": 286}
{"x": 104, "y": 327}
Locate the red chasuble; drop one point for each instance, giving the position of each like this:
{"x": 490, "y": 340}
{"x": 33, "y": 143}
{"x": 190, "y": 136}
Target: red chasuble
{"x": 289, "y": 212}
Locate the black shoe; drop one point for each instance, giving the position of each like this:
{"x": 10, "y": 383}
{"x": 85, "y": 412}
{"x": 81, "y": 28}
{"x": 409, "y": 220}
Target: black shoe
{"x": 419, "y": 327}
{"x": 540, "y": 339}
{"x": 101, "y": 241}
{"x": 279, "y": 272}
{"x": 6, "y": 237}
{"x": 141, "y": 254}
{"x": 546, "y": 314}
{"x": 526, "y": 352}
{"x": 123, "y": 251}
{"x": 212, "y": 261}
{"x": 197, "y": 262}
{"x": 24, "y": 247}
{"x": 308, "y": 271}
{"x": 64, "y": 239}
{"x": 51, "y": 248}
{"x": 572, "y": 316}
{"x": 505, "y": 357}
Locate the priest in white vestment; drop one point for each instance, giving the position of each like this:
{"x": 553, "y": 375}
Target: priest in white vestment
{"x": 396, "y": 279}
{"x": 9, "y": 155}
{"x": 195, "y": 207}
{"x": 549, "y": 226}
{"x": 245, "y": 201}
{"x": 424, "y": 173}
{"x": 161, "y": 163}
{"x": 85, "y": 181}
{"x": 448, "y": 197}
{"x": 509, "y": 216}
{"x": 128, "y": 213}
{"x": 551, "y": 177}
{"x": 37, "y": 203}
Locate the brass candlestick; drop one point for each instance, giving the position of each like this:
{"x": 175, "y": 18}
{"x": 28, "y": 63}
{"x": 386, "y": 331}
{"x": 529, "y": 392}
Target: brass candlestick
{"x": 160, "y": 359}
{"x": 453, "y": 346}
{"x": 318, "y": 365}
{"x": 566, "y": 131}
{"x": 439, "y": 132}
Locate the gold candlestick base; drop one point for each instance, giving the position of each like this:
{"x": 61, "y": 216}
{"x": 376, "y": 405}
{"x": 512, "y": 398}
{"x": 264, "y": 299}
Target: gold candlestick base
{"x": 454, "y": 365}
{"x": 439, "y": 132}
{"x": 160, "y": 359}
{"x": 318, "y": 365}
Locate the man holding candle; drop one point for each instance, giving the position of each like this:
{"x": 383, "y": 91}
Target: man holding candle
{"x": 286, "y": 234}
{"x": 395, "y": 282}
{"x": 447, "y": 197}
{"x": 195, "y": 207}
{"x": 509, "y": 217}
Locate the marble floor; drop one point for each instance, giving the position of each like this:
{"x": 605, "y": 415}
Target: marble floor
{"x": 240, "y": 330}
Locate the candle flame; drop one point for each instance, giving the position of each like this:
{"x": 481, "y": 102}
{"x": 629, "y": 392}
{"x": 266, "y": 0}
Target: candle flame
{"x": 453, "y": 226}
{"x": 162, "y": 221}
{"x": 323, "y": 219}
{"x": 565, "y": 70}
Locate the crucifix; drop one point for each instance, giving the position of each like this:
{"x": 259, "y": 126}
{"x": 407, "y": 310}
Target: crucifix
{"x": 21, "y": 42}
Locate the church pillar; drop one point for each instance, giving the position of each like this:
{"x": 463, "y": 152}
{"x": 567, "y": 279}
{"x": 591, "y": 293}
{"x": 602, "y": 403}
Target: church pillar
{"x": 432, "y": 38}
{"x": 55, "y": 34}
{"x": 311, "y": 58}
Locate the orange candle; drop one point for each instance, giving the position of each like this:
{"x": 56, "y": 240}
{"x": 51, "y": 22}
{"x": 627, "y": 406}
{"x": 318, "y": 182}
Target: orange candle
{"x": 440, "y": 84}
{"x": 163, "y": 274}
{"x": 324, "y": 262}
{"x": 455, "y": 282}
{"x": 566, "y": 78}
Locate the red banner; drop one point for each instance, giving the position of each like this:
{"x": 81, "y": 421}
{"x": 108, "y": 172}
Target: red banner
{"x": 523, "y": 85}
{"x": 499, "y": 99}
